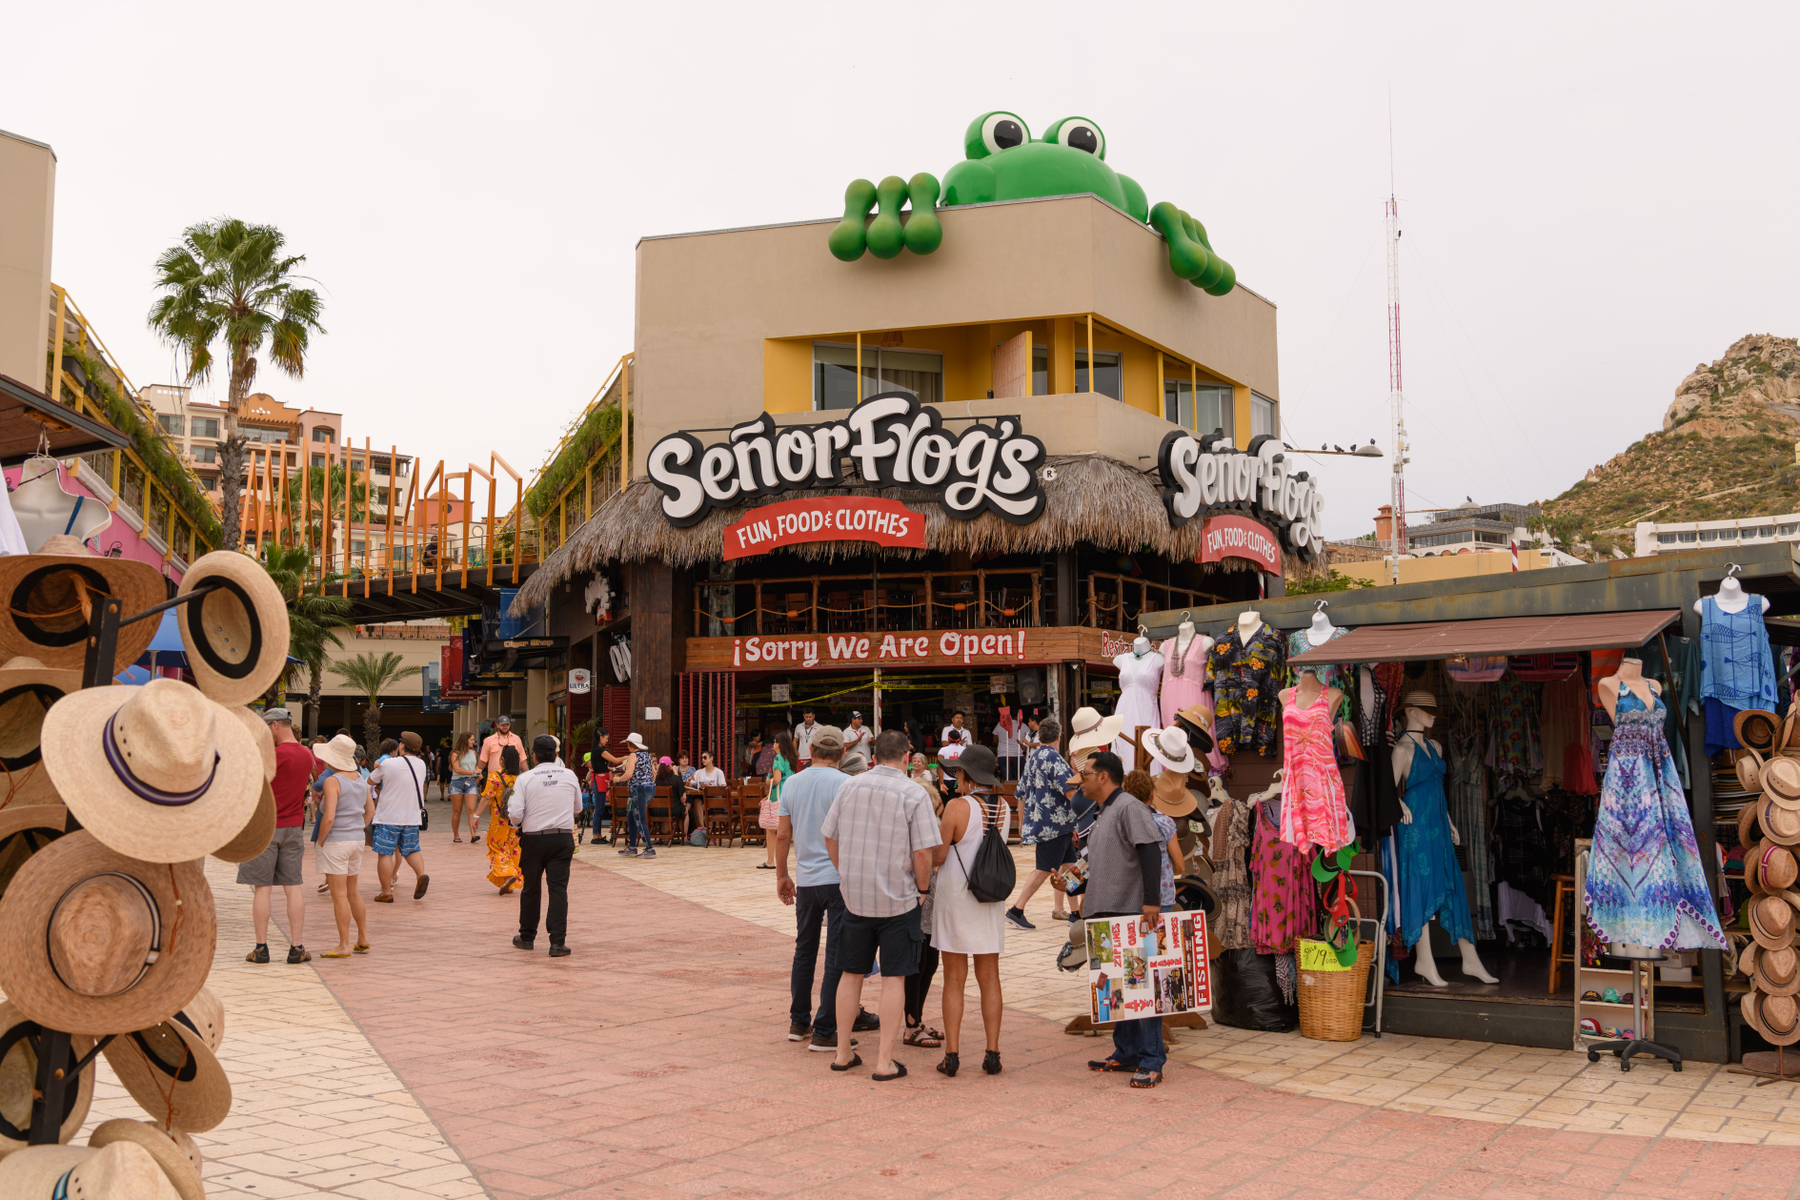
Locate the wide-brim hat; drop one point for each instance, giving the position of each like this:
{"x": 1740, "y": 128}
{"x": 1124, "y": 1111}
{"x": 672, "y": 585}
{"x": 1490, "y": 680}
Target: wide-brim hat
{"x": 27, "y": 691}
{"x": 1776, "y": 972}
{"x": 1772, "y": 920}
{"x": 1781, "y": 781}
{"x": 977, "y": 762}
{"x": 158, "y": 772}
{"x": 1169, "y": 749}
{"x": 45, "y": 599}
{"x": 173, "y": 1150}
{"x": 1776, "y": 1018}
{"x": 256, "y": 834}
{"x": 121, "y": 1171}
{"x": 237, "y": 635}
{"x": 339, "y": 753}
{"x": 258, "y": 728}
{"x": 25, "y": 831}
{"x": 1198, "y": 720}
{"x": 170, "y": 1070}
{"x": 1779, "y": 823}
{"x": 94, "y": 942}
{"x": 1757, "y": 728}
{"x": 18, "y": 1080}
{"x": 636, "y": 739}
{"x": 1088, "y": 729}
{"x": 1170, "y": 795}
{"x": 1773, "y": 868}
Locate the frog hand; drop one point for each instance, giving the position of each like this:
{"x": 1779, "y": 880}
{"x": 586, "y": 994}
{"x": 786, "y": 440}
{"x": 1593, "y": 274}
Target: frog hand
{"x": 886, "y": 235}
{"x": 1190, "y": 255}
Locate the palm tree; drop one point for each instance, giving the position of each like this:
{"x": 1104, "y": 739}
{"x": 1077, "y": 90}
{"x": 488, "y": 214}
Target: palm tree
{"x": 228, "y": 281}
{"x": 372, "y": 674}
{"x": 310, "y": 523}
{"x": 312, "y": 620}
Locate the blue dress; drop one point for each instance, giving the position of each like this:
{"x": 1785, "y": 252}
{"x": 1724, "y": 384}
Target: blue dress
{"x": 1431, "y": 881}
{"x": 1645, "y": 884}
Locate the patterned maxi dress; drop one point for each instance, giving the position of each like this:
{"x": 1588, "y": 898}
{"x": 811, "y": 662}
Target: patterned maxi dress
{"x": 1645, "y": 885}
{"x": 1313, "y": 812}
{"x": 502, "y": 838}
{"x": 1281, "y": 907}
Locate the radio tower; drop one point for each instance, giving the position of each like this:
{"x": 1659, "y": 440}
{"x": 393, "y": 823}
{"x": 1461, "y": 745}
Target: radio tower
{"x": 1396, "y": 396}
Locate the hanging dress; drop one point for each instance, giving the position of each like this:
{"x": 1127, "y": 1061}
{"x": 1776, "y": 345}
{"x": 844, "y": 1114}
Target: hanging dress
{"x": 1737, "y": 670}
{"x": 1374, "y": 800}
{"x": 1645, "y": 883}
{"x": 1184, "y": 683}
{"x": 1466, "y": 790}
{"x": 1313, "y": 812}
{"x": 1281, "y": 906}
{"x": 1332, "y": 675}
{"x": 1247, "y": 682}
{"x": 1139, "y": 677}
{"x": 1231, "y": 875}
{"x": 1431, "y": 882}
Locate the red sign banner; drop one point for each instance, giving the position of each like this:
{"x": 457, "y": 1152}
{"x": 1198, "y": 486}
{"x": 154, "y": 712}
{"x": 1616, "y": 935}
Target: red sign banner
{"x": 827, "y": 519}
{"x": 1226, "y": 536}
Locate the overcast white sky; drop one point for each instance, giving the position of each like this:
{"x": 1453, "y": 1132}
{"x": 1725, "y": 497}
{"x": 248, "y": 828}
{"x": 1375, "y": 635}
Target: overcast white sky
{"x": 1595, "y": 197}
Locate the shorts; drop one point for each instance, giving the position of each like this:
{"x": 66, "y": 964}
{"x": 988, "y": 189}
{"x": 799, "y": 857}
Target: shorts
{"x": 1057, "y": 852}
{"x": 401, "y": 839}
{"x": 464, "y": 785}
{"x": 339, "y": 858}
{"x": 898, "y": 938}
{"x": 279, "y": 864}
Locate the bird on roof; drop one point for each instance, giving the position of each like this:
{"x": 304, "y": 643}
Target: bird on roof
{"x": 1338, "y": 448}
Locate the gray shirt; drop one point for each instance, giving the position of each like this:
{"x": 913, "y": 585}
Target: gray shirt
{"x": 1115, "y": 882}
{"x": 879, "y": 819}
{"x": 347, "y": 818}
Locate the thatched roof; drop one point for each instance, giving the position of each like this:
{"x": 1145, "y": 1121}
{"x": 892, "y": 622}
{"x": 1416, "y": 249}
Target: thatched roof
{"x": 1093, "y": 499}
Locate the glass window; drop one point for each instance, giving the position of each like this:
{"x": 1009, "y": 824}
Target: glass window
{"x": 834, "y": 374}
{"x": 1265, "y": 416}
{"x": 1665, "y": 539}
{"x": 321, "y": 434}
{"x": 170, "y": 424}
{"x": 210, "y": 482}
{"x": 1206, "y": 409}
{"x": 318, "y": 460}
{"x": 266, "y": 436}
{"x": 205, "y": 453}
{"x": 1787, "y": 530}
{"x": 1106, "y": 373}
{"x": 1765, "y": 531}
{"x": 1040, "y": 370}
{"x": 1686, "y": 538}
{"x": 356, "y": 546}
{"x": 206, "y": 427}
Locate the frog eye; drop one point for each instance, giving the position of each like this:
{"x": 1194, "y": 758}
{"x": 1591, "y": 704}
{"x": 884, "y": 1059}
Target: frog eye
{"x": 1000, "y": 131}
{"x": 1079, "y": 133}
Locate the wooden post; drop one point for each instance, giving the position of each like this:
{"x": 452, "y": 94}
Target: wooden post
{"x": 980, "y": 600}
{"x": 306, "y": 508}
{"x": 54, "y": 391}
{"x": 438, "y": 513}
{"x": 759, "y": 607}
{"x": 1090, "y": 350}
{"x": 1037, "y": 598}
{"x": 281, "y": 502}
{"x": 468, "y": 478}
{"x": 387, "y": 544}
{"x": 325, "y": 522}
{"x": 930, "y": 605}
{"x": 412, "y": 520}
{"x": 491, "y": 540}
{"x": 368, "y": 498}
{"x": 349, "y": 494}
{"x": 624, "y": 433}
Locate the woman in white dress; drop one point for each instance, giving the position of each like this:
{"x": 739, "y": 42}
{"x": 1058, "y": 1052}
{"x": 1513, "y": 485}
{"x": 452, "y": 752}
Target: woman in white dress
{"x": 962, "y": 926}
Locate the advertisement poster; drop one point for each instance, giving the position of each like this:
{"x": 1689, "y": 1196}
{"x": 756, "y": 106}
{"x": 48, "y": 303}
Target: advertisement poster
{"x": 1156, "y": 974}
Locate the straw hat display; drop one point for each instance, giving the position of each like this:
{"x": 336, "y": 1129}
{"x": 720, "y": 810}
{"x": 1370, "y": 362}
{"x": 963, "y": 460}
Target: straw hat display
{"x": 1169, "y": 749}
{"x": 170, "y": 1070}
{"x": 27, "y": 690}
{"x": 1757, "y": 729}
{"x": 18, "y": 1078}
{"x": 47, "y": 596}
{"x": 173, "y": 1150}
{"x": 237, "y": 636}
{"x": 118, "y": 1171}
{"x": 254, "y": 838}
{"x": 1088, "y": 730}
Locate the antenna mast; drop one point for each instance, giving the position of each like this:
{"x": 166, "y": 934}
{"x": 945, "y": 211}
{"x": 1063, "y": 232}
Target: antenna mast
{"x": 1396, "y": 396}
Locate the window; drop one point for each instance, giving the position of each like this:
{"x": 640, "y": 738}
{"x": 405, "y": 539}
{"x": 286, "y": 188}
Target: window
{"x": 1106, "y": 373}
{"x": 266, "y": 436}
{"x": 1718, "y": 535}
{"x": 1265, "y": 416}
{"x": 1040, "y": 370}
{"x": 318, "y": 460}
{"x": 322, "y": 433}
{"x": 834, "y": 374}
{"x": 171, "y": 425}
{"x": 209, "y": 482}
{"x": 356, "y": 547}
{"x": 204, "y": 454}
{"x": 1665, "y": 539}
{"x": 1787, "y": 530}
{"x": 1206, "y": 409}
{"x": 206, "y": 427}
{"x": 1687, "y": 539}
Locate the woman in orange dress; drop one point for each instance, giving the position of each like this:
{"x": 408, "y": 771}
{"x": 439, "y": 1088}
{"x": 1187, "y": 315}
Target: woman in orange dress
{"x": 502, "y": 838}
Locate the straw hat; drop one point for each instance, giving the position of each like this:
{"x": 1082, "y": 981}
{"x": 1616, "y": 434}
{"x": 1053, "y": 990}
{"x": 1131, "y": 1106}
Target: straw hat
{"x": 1771, "y": 921}
{"x": 1420, "y": 700}
{"x": 1758, "y": 729}
{"x": 173, "y": 1150}
{"x": 977, "y": 762}
{"x": 256, "y": 834}
{"x": 1781, "y": 781}
{"x": 1089, "y": 730}
{"x": 205, "y": 1015}
{"x": 94, "y": 942}
{"x": 158, "y": 772}
{"x": 1773, "y": 868}
{"x": 1776, "y": 972}
{"x": 1197, "y": 720}
{"x": 18, "y": 1079}
{"x": 1779, "y": 823}
{"x": 121, "y": 1171}
{"x": 1169, "y": 794}
{"x": 257, "y": 726}
{"x": 25, "y": 831}
{"x": 170, "y": 1070}
{"x": 339, "y": 753}
{"x": 1749, "y": 770}
{"x": 636, "y": 739}
{"x": 27, "y": 690}
{"x": 44, "y": 599}
{"x": 1777, "y": 1018}
{"x": 1169, "y": 749}
{"x": 237, "y": 636}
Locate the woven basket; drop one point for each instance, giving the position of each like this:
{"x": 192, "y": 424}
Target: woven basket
{"x": 1331, "y": 1002}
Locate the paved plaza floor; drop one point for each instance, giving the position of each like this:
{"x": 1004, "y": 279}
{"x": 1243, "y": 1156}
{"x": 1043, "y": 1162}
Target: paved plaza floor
{"x": 653, "y": 1063}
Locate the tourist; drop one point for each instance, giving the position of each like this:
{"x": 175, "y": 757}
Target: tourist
{"x": 637, "y": 807}
{"x": 813, "y": 891}
{"x": 1046, "y": 819}
{"x": 544, "y": 802}
{"x": 767, "y": 813}
{"x": 853, "y": 763}
{"x": 343, "y": 800}
{"x": 753, "y": 758}
{"x": 709, "y": 775}
{"x": 684, "y": 767}
{"x": 964, "y": 735}
{"x": 1124, "y": 879}
{"x": 502, "y": 838}
{"x": 503, "y": 736}
{"x": 858, "y": 738}
{"x": 279, "y": 865}
{"x": 465, "y": 784}
{"x": 803, "y": 736}
{"x": 918, "y": 984}
{"x": 1140, "y": 785}
{"x": 923, "y": 775}
{"x": 879, "y": 835}
{"x": 963, "y": 926}
{"x": 1006, "y": 744}
{"x": 394, "y": 809}
{"x": 440, "y": 765}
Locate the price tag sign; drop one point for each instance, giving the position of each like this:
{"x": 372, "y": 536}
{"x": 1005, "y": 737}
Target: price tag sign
{"x": 1319, "y": 956}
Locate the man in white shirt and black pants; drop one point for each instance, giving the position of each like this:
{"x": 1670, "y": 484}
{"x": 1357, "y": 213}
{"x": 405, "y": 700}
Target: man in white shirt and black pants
{"x": 545, "y": 804}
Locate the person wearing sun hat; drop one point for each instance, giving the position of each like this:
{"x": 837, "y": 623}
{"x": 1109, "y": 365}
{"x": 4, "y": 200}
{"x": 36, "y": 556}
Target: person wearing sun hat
{"x": 121, "y": 1170}
{"x": 344, "y": 800}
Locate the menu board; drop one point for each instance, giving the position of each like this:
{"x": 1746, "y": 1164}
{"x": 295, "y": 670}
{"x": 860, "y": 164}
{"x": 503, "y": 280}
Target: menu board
{"x": 1159, "y": 973}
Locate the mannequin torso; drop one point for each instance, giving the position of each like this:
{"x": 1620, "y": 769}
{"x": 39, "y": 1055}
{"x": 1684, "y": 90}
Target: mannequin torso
{"x": 1248, "y": 623}
{"x": 1321, "y": 630}
{"x": 1631, "y": 674}
{"x": 1732, "y": 598}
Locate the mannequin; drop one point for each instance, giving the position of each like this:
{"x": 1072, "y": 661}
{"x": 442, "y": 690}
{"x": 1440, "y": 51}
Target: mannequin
{"x": 1247, "y": 667}
{"x": 1418, "y": 772}
{"x": 1248, "y": 622}
{"x": 1321, "y": 630}
{"x": 1315, "y": 813}
{"x": 1631, "y": 674}
{"x": 1184, "y": 683}
{"x": 1732, "y": 597}
{"x": 1140, "y": 675}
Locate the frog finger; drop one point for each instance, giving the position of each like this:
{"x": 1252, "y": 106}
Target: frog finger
{"x": 1227, "y": 280}
{"x": 847, "y": 239}
{"x": 1187, "y": 257}
{"x": 924, "y": 232}
{"x": 886, "y": 237}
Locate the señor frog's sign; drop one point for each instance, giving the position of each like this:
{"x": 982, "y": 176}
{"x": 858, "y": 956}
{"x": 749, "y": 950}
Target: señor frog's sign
{"x": 1207, "y": 474}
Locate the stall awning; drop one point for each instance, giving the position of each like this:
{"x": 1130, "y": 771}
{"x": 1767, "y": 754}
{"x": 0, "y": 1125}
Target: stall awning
{"x": 28, "y": 418}
{"x": 1498, "y": 636}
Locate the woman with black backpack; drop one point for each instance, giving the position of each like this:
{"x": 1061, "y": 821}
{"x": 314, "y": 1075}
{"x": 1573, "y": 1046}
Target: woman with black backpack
{"x": 975, "y": 878}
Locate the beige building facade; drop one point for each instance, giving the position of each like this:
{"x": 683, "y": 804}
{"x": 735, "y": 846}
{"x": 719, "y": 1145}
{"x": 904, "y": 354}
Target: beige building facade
{"x": 27, "y": 222}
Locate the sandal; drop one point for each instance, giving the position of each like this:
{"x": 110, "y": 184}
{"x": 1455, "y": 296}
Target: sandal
{"x": 855, "y": 1061}
{"x": 898, "y": 1073}
{"x": 923, "y": 1036}
{"x": 332, "y": 954}
{"x": 991, "y": 1062}
{"x": 950, "y": 1065}
{"x": 419, "y": 891}
{"x": 385, "y": 899}
{"x": 360, "y": 948}
{"x": 458, "y": 841}
{"x": 1146, "y": 1079}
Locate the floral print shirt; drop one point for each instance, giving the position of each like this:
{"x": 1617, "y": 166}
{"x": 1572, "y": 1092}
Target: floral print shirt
{"x": 1042, "y": 798}
{"x": 1247, "y": 682}
{"x": 1513, "y": 716}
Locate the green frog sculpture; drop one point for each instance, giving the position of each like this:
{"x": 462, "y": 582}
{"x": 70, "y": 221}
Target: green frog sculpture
{"x": 1002, "y": 162}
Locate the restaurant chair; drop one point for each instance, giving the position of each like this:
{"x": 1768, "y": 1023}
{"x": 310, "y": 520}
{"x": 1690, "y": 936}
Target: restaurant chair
{"x": 661, "y": 823}
{"x": 716, "y": 806}
{"x": 750, "y": 798}
{"x": 619, "y": 798}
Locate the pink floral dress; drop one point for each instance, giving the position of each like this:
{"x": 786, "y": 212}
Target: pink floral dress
{"x": 1313, "y": 812}
{"x": 1281, "y": 903}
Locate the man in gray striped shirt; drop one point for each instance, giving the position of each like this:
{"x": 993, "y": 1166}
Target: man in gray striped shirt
{"x": 880, "y": 833}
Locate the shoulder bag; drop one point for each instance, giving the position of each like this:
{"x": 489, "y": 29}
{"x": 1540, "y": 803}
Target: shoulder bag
{"x": 993, "y": 875}
{"x": 424, "y": 813}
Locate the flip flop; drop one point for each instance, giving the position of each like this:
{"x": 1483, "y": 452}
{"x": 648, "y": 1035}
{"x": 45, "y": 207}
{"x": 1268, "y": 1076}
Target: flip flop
{"x": 855, "y": 1061}
{"x": 898, "y": 1073}
{"x": 458, "y": 841}
{"x": 332, "y": 954}
{"x": 360, "y": 948}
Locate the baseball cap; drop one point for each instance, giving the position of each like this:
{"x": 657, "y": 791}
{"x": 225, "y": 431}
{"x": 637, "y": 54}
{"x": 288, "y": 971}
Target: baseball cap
{"x": 828, "y": 740}
{"x": 503, "y": 719}
{"x": 278, "y": 714}
{"x": 854, "y": 713}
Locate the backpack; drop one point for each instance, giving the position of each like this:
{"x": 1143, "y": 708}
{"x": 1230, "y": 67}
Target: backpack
{"x": 993, "y": 875}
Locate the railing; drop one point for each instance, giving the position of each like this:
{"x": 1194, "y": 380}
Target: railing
{"x": 1110, "y": 600}
{"x": 902, "y": 602}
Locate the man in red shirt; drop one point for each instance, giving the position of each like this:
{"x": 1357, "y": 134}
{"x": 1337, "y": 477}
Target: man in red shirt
{"x": 279, "y": 865}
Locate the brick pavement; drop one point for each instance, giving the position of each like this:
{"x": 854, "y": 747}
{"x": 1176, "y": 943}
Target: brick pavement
{"x": 653, "y": 1063}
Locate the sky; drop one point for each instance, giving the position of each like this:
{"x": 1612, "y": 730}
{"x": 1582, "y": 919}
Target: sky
{"x": 1595, "y": 197}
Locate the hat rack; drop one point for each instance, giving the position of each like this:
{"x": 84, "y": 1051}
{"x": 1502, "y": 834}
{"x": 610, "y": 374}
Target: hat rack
{"x": 54, "y": 1047}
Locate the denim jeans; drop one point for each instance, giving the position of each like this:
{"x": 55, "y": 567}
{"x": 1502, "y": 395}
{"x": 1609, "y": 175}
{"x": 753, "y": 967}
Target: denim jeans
{"x": 1139, "y": 1043}
{"x": 813, "y": 905}
{"x": 637, "y": 814}
{"x": 599, "y": 798}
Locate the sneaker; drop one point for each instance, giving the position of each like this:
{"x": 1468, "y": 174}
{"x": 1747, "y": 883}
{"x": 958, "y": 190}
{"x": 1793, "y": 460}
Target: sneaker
{"x": 628, "y": 852}
{"x": 648, "y": 854}
{"x": 865, "y": 1021}
{"x": 826, "y": 1043}
{"x": 296, "y": 954}
{"x": 258, "y": 955}
{"x": 560, "y": 952}
{"x": 1016, "y": 918}
{"x": 799, "y": 1031}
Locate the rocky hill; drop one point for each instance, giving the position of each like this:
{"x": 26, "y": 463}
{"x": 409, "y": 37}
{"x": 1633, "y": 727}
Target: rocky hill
{"x": 1732, "y": 428}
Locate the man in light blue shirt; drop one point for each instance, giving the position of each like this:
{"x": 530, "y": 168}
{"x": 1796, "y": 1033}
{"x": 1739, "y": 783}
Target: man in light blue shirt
{"x": 805, "y": 799}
